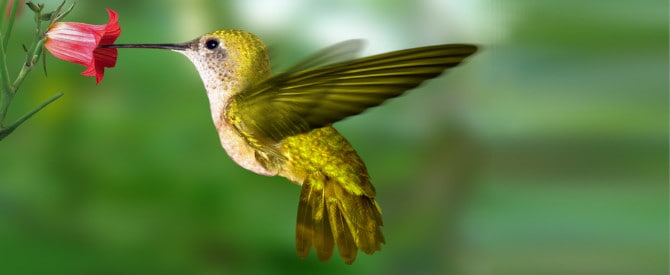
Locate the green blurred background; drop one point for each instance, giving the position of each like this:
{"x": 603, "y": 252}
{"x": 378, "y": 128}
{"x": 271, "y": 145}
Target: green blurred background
{"x": 545, "y": 153}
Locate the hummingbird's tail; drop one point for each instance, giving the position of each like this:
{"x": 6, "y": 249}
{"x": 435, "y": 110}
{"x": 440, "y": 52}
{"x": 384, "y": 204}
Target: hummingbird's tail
{"x": 329, "y": 215}
{"x": 337, "y": 205}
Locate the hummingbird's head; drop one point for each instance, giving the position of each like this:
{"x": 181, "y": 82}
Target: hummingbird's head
{"x": 227, "y": 60}
{"x": 232, "y": 58}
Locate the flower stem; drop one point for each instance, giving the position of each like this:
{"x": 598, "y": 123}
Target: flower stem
{"x": 8, "y": 88}
{"x": 32, "y": 57}
{"x": 6, "y": 91}
{"x": 5, "y": 28}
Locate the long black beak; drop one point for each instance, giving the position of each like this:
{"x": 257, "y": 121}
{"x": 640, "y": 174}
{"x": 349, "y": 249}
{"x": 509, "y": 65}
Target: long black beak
{"x": 174, "y": 47}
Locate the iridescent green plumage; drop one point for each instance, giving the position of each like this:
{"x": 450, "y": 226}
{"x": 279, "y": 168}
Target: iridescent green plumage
{"x": 337, "y": 203}
{"x": 293, "y": 112}
{"x": 316, "y": 97}
{"x": 282, "y": 125}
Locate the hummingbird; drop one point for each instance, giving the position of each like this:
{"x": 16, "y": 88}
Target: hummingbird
{"x": 282, "y": 124}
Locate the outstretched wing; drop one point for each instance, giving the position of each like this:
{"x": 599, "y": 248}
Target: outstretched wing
{"x": 300, "y": 100}
{"x": 343, "y": 51}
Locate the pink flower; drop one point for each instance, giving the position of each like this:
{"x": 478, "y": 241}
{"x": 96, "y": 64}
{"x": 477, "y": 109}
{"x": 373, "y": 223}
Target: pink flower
{"x": 78, "y": 43}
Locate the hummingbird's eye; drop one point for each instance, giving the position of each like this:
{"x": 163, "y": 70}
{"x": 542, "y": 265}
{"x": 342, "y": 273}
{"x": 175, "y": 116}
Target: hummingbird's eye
{"x": 211, "y": 44}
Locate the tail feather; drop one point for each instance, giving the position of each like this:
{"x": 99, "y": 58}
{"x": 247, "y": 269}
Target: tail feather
{"x": 346, "y": 245}
{"x": 363, "y": 217}
{"x": 317, "y": 232}
{"x": 328, "y": 215}
{"x": 321, "y": 238}
{"x": 304, "y": 233}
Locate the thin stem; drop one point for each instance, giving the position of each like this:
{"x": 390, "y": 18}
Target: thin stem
{"x": 4, "y": 72}
{"x": 33, "y": 54}
{"x": 32, "y": 58}
{"x": 5, "y": 88}
{"x": 6, "y": 131}
{"x": 3, "y": 7}
{"x": 36, "y": 49}
{"x": 10, "y": 24}
{"x": 5, "y": 100}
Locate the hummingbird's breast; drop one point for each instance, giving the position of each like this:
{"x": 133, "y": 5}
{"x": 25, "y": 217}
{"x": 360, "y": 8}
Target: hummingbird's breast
{"x": 239, "y": 149}
{"x": 221, "y": 86}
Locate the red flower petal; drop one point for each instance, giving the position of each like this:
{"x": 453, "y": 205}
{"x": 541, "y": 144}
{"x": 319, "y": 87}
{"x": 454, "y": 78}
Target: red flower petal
{"x": 78, "y": 43}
